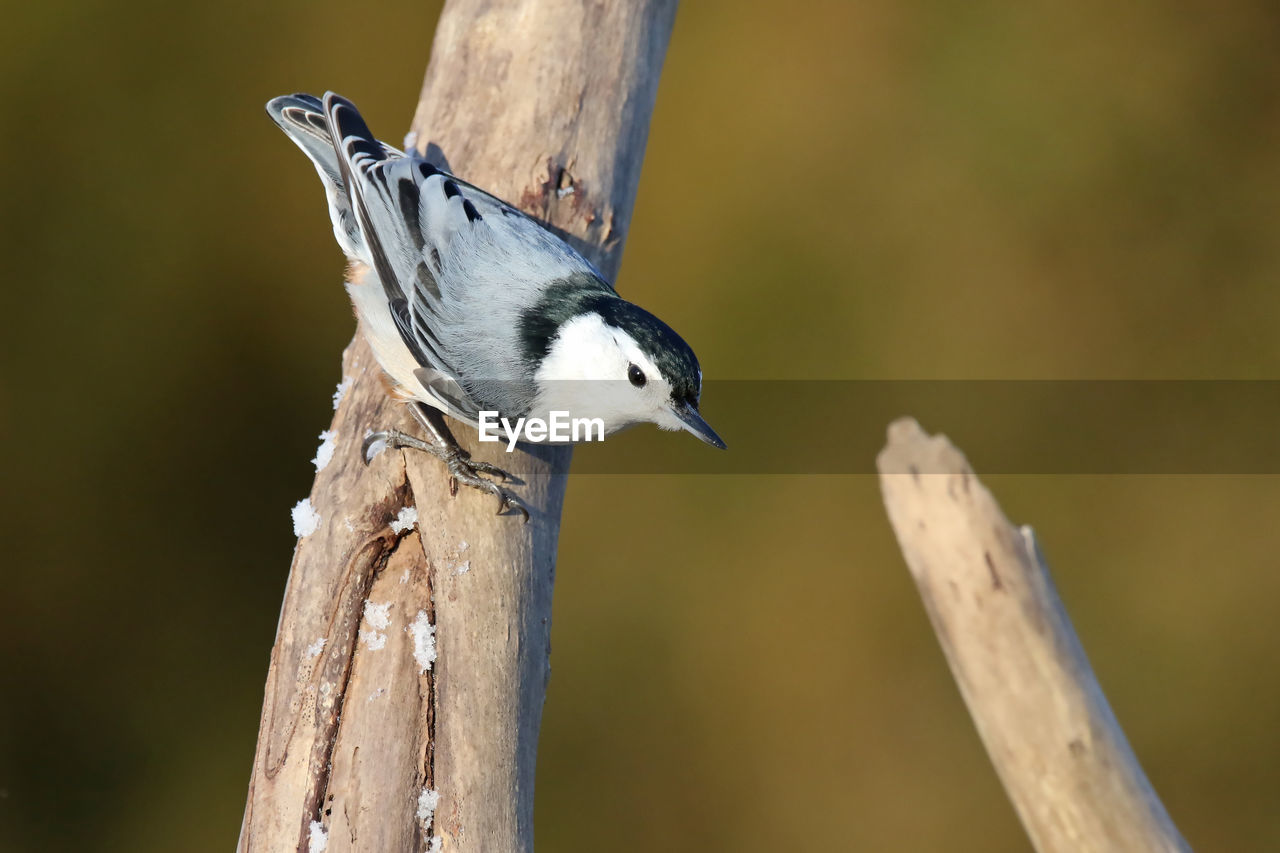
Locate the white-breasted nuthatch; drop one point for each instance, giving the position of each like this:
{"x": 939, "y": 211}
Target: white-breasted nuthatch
{"x": 471, "y": 306}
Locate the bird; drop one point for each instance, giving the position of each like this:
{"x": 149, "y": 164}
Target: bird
{"x": 472, "y": 307}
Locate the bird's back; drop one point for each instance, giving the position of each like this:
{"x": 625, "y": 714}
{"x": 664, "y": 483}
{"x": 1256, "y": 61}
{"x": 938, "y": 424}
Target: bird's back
{"x": 454, "y": 273}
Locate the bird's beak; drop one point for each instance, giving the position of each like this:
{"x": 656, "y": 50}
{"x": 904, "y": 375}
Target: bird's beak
{"x": 694, "y": 423}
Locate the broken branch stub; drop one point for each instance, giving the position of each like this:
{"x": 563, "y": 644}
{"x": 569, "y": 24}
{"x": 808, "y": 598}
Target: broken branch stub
{"x": 1046, "y": 725}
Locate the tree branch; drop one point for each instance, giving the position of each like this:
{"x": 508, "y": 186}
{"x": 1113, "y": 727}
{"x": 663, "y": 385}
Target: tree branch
{"x": 545, "y": 103}
{"x": 1042, "y": 716}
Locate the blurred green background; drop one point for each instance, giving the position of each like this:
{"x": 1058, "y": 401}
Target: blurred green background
{"x": 833, "y": 190}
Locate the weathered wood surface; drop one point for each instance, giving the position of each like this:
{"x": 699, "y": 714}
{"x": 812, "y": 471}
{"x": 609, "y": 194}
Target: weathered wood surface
{"x": 545, "y": 103}
{"x": 1055, "y": 743}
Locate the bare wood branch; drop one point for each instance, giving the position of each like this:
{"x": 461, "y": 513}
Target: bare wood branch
{"x": 546, "y": 103}
{"x": 1042, "y": 716}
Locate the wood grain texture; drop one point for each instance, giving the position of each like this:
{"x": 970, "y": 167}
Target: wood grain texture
{"x": 1055, "y": 743}
{"x": 545, "y": 103}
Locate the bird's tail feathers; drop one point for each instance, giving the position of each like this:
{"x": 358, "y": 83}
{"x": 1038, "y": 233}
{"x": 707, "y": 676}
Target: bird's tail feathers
{"x": 310, "y": 122}
{"x": 360, "y": 157}
{"x": 302, "y": 118}
{"x": 352, "y": 139}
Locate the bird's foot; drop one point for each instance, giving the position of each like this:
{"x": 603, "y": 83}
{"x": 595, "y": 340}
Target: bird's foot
{"x": 462, "y": 468}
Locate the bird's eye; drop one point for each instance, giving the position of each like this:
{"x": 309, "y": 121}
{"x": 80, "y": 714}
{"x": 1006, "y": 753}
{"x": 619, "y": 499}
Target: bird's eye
{"x": 636, "y": 375}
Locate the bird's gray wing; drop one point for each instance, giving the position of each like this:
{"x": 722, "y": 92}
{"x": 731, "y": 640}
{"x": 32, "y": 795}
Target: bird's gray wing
{"x": 457, "y": 265}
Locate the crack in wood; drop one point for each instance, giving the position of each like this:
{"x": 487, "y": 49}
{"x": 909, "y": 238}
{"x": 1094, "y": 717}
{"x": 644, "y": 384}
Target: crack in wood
{"x": 322, "y": 750}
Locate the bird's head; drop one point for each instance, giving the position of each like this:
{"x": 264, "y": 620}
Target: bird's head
{"x": 638, "y": 370}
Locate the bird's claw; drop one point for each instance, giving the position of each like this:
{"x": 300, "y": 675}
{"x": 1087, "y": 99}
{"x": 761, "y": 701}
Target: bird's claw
{"x": 488, "y": 468}
{"x": 467, "y": 472}
{"x": 374, "y": 443}
{"x": 462, "y": 468}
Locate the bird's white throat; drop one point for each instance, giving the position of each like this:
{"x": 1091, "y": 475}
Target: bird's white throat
{"x": 585, "y": 373}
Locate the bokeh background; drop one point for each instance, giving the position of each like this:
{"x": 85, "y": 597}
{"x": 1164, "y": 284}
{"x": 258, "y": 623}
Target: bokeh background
{"x": 875, "y": 190}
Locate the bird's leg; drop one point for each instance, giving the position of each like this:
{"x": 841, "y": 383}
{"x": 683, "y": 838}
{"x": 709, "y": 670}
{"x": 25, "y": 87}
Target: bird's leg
{"x": 462, "y": 468}
{"x": 433, "y": 421}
